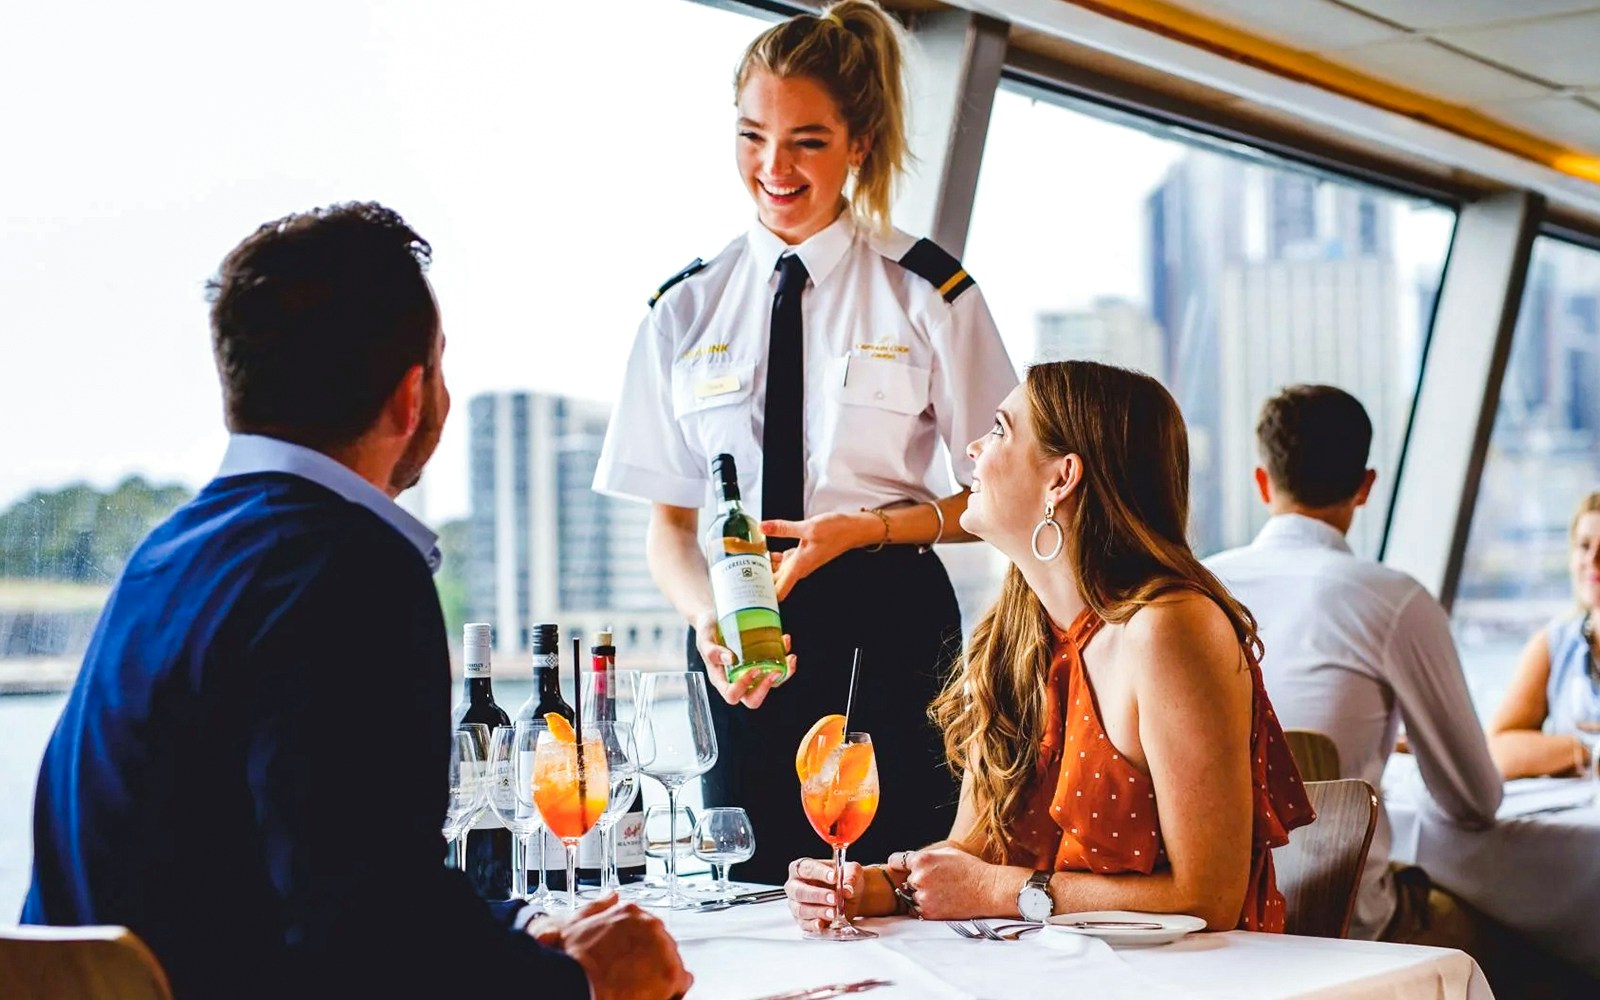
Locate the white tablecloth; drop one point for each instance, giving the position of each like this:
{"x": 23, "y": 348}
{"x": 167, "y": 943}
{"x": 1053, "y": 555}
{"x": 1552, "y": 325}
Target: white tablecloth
{"x": 752, "y": 951}
{"x": 1537, "y": 870}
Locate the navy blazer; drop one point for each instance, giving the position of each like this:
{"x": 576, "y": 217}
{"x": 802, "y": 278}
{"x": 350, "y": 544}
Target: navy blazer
{"x": 250, "y": 771}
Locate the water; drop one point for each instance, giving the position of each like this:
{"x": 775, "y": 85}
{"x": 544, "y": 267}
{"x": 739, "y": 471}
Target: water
{"x": 26, "y": 722}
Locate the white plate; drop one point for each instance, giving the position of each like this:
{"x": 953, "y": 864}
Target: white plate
{"x": 1172, "y": 926}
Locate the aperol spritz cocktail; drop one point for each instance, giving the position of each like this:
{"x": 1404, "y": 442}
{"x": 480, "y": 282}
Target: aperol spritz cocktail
{"x": 571, "y": 785}
{"x": 839, "y": 791}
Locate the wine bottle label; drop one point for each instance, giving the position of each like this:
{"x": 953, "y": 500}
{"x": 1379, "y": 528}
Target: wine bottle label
{"x": 546, "y": 660}
{"x": 487, "y": 820}
{"x": 630, "y": 840}
{"x": 742, "y": 582}
{"x": 591, "y": 851}
{"x": 476, "y": 668}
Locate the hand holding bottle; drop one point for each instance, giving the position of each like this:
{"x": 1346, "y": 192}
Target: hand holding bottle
{"x": 752, "y": 687}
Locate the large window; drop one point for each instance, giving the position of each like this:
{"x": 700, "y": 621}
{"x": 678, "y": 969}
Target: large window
{"x": 561, "y": 163}
{"x": 1223, "y": 272}
{"x": 1544, "y": 456}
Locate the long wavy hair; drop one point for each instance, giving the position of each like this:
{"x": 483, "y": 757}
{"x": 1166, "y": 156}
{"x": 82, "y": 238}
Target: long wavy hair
{"x": 1124, "y": 530}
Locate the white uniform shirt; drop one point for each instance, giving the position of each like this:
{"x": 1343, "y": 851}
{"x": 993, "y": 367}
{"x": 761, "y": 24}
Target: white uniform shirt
{"x": 1352, "y": 648}
{"x": 894, "y": 376}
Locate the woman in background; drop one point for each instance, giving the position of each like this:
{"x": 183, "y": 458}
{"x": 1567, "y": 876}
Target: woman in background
{"x": 1551, "y": 713}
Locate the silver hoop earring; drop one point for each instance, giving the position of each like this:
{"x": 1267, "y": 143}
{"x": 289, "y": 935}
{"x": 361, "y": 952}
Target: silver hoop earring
{"x": 1048, "y": 522}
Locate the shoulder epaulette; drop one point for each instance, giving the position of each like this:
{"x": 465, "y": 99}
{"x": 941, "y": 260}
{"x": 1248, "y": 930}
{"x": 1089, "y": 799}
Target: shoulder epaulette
{"x": 928, "y": 261}
{"x": 696, "y": 265}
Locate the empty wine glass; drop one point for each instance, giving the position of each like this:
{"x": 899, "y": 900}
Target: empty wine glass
{"x": 681, "y": 745}
{"x": 468, "y": 790}
{"x": 666, "y": 835}
{"x": 615, "y": 701}
{"x": 511, "y": 752}
{"x": 723, "y": 838}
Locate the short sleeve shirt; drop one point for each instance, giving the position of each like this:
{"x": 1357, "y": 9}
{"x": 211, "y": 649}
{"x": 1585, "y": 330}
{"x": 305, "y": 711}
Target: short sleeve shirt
{"x": 899, "y": 377}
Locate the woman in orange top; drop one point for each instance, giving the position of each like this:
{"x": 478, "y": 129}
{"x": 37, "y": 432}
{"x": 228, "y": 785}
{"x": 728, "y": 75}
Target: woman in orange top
{"x": 1109, "y": 719}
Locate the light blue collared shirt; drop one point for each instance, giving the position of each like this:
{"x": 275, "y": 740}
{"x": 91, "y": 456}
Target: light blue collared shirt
{"x": 253, "y": 453}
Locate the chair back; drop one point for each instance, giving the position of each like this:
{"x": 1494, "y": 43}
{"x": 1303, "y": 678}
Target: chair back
{"x": 78, "y": 963}
{"x": 1319, "y": 870}
{"x": 1314, "y": 753}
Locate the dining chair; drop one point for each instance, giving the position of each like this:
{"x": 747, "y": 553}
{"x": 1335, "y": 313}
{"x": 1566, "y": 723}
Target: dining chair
{"x": 1314, "y": 753}
{"x": 1319, "y": 870}
{"x": 78, "y": 963}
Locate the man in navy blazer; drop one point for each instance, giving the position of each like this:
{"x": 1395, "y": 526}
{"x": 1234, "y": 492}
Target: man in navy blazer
{"x": 250, "y": 771}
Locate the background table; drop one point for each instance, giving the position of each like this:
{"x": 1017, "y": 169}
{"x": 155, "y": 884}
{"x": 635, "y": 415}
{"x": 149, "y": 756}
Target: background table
{"x": 1537, "y": 870}
{"x": 751, "y": 951}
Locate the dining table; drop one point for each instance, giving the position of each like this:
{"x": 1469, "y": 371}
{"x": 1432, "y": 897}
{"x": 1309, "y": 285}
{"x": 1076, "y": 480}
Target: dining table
{"x": 1533, "y": 870}
{"x": 756, "y": 952}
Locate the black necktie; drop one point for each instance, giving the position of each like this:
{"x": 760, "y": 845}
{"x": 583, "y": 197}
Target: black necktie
{"x": 783, "y": 460}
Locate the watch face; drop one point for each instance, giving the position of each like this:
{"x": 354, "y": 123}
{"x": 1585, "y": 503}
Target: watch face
{"x": 1034, "y": 903}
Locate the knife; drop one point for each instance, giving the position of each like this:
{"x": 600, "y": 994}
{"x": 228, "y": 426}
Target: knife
{"x": 834, "y": 990}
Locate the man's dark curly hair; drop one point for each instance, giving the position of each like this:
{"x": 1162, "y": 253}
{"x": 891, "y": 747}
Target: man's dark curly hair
{"x": 316, "y": 317}
{"x": 1314, "y": 441}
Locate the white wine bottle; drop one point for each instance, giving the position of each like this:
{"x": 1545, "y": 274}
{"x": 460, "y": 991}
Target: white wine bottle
{"x": 741, "y": 581}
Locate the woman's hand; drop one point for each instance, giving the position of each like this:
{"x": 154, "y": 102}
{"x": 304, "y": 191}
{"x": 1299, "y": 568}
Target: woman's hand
{"x": 752, "y": 687}
{"x": 811, "y": 893}
{"x": 947, "y": 883}
{"x": 823, "y": 539}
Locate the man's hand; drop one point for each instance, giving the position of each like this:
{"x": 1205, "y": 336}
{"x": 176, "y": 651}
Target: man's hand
{"x": 626, "y": 952}
{"x": 752, "y": 688}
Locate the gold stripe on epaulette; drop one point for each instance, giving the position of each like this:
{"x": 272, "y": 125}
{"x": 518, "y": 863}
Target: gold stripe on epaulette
{"x": 955, "y": 279}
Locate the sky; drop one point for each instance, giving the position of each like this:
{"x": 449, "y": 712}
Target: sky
{"x": 561, "y": 165}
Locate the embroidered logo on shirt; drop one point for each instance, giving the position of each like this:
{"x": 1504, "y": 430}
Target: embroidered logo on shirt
{"x": 885, "y": 350}
{"x": 704, "y": 351}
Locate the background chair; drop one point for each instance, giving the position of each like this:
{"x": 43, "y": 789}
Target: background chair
{"x": 1319, "y": 869}
{"x": 78, "y": 963}
{"x": 1314, "y": 753}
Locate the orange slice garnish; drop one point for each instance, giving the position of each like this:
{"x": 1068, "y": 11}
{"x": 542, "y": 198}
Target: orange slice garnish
{"x": 827, "y": 734}
{"x": 560, "y": 728}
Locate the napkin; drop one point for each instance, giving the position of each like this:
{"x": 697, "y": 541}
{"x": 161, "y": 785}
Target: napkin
{"x": 1527, "y": 796}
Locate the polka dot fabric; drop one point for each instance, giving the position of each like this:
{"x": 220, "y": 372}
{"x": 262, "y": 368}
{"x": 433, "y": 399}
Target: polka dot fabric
{"x": 1091, "y": 810}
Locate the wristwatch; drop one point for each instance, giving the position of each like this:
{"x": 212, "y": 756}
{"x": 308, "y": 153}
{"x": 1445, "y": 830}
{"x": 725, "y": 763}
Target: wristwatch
{"x": 1033, "y": 901}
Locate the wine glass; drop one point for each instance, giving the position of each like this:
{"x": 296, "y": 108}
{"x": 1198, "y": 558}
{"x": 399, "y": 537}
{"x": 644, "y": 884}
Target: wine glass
{"x": 666, "y": 834}
{"x": 616, "y": 701}
{"x": 571, "y": 786}
{"x": 468, "y": 791}
{"x": 723, "y": 838}
{"x": 681, "y": 745}
{"x": 511, "y": 751}
{"x": 840, "y": 796}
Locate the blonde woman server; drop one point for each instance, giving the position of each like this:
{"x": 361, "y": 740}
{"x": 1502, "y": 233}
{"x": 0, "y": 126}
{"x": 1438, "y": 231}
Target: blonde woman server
{"x": 843, "y": 364}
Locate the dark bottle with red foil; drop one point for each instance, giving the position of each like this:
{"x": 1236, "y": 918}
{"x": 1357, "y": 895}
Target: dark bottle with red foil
{"x": 488, "y": 842}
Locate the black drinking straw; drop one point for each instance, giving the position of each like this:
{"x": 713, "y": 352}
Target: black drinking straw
{"x": 577, "y": 719}
{"x": 850, "y": 699}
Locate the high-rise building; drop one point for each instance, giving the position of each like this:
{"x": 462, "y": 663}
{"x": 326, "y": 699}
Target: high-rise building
{"x": 1259, "y": 278}
{"x": 1113, "y": 331}
{"x": 543, "y": 546}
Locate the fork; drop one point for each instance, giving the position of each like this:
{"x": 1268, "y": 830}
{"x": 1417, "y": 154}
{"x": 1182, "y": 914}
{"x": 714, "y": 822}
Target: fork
{"x": 977, "y": 931}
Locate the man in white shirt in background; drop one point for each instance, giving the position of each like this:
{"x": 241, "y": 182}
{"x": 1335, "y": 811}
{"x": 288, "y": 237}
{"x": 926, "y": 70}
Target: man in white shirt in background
{"x": 1353, "y": 648}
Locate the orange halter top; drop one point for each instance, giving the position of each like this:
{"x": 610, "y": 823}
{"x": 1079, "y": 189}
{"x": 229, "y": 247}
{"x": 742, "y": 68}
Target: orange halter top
{"x": 1092, "y": 810}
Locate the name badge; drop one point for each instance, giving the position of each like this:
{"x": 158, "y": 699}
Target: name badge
{"x": 719, "y": 386}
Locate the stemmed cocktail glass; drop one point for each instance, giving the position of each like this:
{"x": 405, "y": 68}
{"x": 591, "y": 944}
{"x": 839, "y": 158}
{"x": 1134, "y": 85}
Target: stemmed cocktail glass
{"x": 839, "y": 791}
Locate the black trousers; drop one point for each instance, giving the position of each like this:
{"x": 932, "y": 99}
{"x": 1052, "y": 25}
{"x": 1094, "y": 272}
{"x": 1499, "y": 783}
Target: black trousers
{"x": 898, "y": 606}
